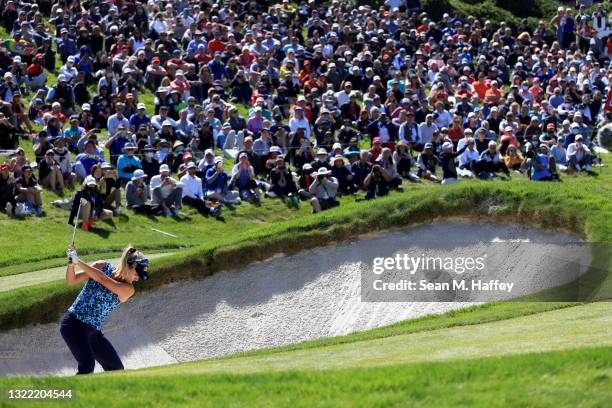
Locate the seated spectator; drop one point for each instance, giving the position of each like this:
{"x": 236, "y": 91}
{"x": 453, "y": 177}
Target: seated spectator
{"x": 340, "y": 170}
{"x": 376, "y": 182}
{"x": 108, "y": 186}
{"x": 491, "y": 163}
{"x": 149, "y": 163}
{"x": 427, "y": 163}
{"x": 50, "y": 174}
{"x": 91, "y": 203}
{"x": 385, "y": 160}
{"x": 469, "y": 158}
{"x": 559, "y": 152}
{"x": 323, "y": 191}
{"x": 281, "y": 182}
{"x": 578, "y": 156}
{"x": 243, "y": 179}
{"x": 447, "y": 162}
{"x": 305, "y": 181}
{"x": 166, "y": 192}
{"x": 402, "y": 160}
{"x": 216, "y": 184}
{"x": 116, "y": 143}
{"x": 322, "y": 159}
{"x": 85, "y": 161}
{"x": 128, "y": 163}
{"x": 361, "y": 168}
{"x": 193, "y": 194}
{"x": 137, "y": 195}
{"x": 541, "y": 164}
{"x": 513, "y": 158}
{"x": 7, "y": 190}
{"x": 62, "y": 156}
{"x": 29, "y": 191}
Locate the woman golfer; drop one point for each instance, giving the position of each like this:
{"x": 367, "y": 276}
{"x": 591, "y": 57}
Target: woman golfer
{"x": 106, "y": 287}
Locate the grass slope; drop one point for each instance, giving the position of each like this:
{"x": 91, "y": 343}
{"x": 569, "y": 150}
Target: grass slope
{"x": 561, "y": 379}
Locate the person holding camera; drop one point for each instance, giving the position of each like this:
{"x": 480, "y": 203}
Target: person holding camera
{"x": 376, "y": 182}
{"x": 166, "y": 192}
{"x": 109, "y": 187}
{"x": 244, "y": 180}
{"x": 137, "y": 194}
{"x": 106, "y": 288}
{"x": 116, "y": 143}
{"x": 578, "y": 156}
{"x": 50, "y": 174}
{"x": 324, "y": 190}
{"x": 92, "y": 205}
{"x": 541, "y": 165}
{"x": 215, "y": 184}
{"x": 281, "y": 182}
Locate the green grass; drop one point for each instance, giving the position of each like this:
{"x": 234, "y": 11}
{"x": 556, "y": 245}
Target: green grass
{"x": 561, "y": 379}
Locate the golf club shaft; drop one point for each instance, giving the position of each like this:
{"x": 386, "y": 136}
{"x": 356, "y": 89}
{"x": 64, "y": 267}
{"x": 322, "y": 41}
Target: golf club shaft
{"x": 76, "y": 223}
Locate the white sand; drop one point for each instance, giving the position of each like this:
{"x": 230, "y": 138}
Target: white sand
{"x": 314, "y": 294}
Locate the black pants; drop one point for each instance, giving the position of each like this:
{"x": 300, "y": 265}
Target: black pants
{"x": 88, "y": 345}
{"x": 7, "y": 196}
{"x": 198, "y": 204}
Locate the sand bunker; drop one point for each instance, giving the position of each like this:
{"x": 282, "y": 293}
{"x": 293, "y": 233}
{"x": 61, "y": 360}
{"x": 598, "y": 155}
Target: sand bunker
{"x": 316, "y": 293}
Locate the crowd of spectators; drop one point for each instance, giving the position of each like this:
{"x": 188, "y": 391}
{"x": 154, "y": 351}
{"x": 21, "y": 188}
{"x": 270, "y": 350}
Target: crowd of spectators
{"x": 306, "y": 101}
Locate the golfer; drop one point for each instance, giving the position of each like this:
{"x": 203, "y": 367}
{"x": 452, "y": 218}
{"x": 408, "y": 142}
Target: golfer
{"x": 106, "y": 288}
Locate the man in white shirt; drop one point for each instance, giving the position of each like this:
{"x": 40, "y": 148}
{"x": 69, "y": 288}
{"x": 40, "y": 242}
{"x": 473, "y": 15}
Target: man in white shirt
{"x": 470, "y": 156}
{"x": 427, "y": 129}
{"x": 193, "y": 193}
{"x": 299, "y": 121}
{"x": 166, "y": 192}
{"x": 343, "y": 97}
{"x": 578, "y": 156}
{"x": 443, "y": 118}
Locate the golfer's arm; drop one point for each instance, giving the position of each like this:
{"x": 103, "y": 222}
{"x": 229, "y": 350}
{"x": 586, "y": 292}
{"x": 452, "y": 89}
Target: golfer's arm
{"x": 123, "y": 290}
{"x": 74, "y": 278}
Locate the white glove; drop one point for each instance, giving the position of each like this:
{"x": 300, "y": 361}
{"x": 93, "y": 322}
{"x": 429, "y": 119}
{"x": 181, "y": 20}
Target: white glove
{"x": 73, "y": 256}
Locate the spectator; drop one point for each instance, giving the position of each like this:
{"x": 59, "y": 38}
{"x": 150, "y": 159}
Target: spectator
{"x": 243, "y": 179}
{"x": 29, "y": 191}
{"x": 137, "y": 195}
{"x": 323, "y": 191}
{"x": 216, "y": 184}
{"x": 50, "y": 174}
{"x": 166, "y": 192}
{"x": 128, "y": 163}
{"x": 91, "y": 203}
{"x": 578, "y": 156}
{"x": 427, "y": 163}
{"x": 491, "y": 162}
{"x": 7, "y": 190}
{"x": 193, "y": 194}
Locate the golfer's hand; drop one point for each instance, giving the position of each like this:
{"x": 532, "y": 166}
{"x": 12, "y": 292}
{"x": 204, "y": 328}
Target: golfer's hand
{"x": 72, "y": 254}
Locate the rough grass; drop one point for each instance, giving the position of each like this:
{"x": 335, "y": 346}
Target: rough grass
{"x": 570, "y": 378}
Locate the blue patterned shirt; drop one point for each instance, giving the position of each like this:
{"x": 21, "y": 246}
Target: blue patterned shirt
{"x": 95, "y": 302}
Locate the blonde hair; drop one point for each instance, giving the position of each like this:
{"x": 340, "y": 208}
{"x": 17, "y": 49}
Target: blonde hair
{"x": 123, "y": 268}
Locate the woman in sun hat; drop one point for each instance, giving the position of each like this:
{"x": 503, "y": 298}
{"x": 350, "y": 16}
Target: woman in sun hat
{"x": 323, "y": 190}
{"x": 106, "y": 288}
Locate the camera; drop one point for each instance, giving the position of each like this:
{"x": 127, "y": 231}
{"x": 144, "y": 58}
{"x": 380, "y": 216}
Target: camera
{"x": 320, "y": 177}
